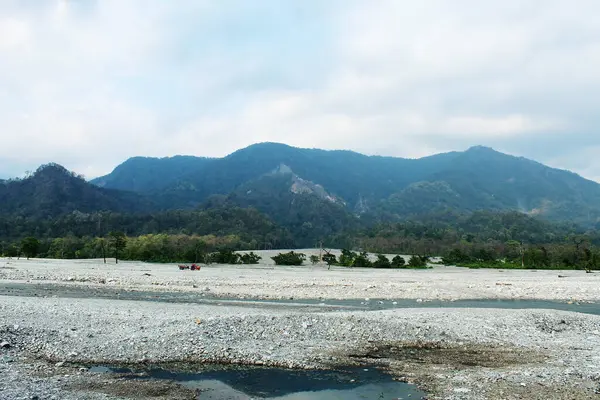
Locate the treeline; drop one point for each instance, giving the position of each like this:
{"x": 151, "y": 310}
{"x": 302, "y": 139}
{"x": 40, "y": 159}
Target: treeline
{"x": 575, "y": 253}
{"x": 488, "y": 239}
{"x": 247, "y": 224}
{"x": 150, "y": 248}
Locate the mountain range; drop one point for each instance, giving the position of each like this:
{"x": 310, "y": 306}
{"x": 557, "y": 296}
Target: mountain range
{"x": 479, "y": 178}
{"x": 311, "y": 192}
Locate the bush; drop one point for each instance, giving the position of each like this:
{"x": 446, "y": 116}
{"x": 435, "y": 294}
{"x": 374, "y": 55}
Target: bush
{"x": 290, "y": 258}
{"x": 347, "y": 258}
{"x": 398, "y": 262}
{"x": 418, "y": 262}
{"x": 225, "y": 257}
{"x": 250, "y": 258}
{"x": 382, "y": 262}
{"x": 456, "y": 257}
{"x": 314, "y": 259}
{"x": 330, "y": 259}
{"x": 362, "y": 261}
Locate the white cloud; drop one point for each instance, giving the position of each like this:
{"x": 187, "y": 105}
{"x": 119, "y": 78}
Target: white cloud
{"x": 89, "y": 84}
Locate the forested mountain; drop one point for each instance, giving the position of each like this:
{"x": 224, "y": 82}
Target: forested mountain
{"x": 474, "y": 206}
{"x": 52, "y": 191}
{"x": 146, "y": 174}
{"x": 383, "y": 187}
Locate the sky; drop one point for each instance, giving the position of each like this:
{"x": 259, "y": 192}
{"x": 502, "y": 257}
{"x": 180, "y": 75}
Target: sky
{"x": 90, "y": 83}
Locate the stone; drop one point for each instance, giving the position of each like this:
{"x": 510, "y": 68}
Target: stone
{"x": 5, "y": 345}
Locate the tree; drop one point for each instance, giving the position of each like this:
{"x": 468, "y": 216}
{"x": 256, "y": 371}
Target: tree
{"x": 382, "y": 262}
{"x": 347, "y": 258}
{"x": 418, "y": 262}
{"x": 398, "y": 262}
{"x": 30, "y": 246}
{"x": 314, "y": 259}
{"x": 330, "y": 259}
{"x": 226, "y": 256}
{"x": 290, "y": 258}
{"x": 250, "y": 258}
{"x": 102, "y": 243}
{"x": 362, "y": 261}
{"x": 118, "y": 241}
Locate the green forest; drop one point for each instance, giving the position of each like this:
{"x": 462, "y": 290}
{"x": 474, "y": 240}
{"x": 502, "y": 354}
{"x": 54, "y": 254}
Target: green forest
{"x": 477, "y": 208}
{"x": 481, "y": 239}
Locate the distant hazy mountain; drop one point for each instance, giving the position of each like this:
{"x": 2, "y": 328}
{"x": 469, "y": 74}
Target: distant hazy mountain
{"x": 479, "y": 178}
{"x": 52, "y": 191}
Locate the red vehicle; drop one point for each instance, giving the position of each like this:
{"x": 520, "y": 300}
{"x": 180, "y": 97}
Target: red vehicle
{"x": 192, "y": 267}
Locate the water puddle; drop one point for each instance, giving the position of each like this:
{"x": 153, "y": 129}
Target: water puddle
{"x": 246, "y": 383}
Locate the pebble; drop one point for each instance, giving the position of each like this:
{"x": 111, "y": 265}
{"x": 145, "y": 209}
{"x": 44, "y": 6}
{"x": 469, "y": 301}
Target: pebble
{"x": 296, "y": 337}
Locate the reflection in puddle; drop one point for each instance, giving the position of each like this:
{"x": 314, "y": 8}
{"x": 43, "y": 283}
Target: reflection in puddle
{"x": 245, "y": 383}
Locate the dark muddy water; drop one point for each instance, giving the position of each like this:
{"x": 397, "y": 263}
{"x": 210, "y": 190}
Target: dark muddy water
{"x": 221, "y": 383}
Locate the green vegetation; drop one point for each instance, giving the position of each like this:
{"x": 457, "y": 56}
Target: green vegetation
{"x": 117, "y": 240}
{"x": 382, "y": 262}
{"x": 398, "y": 262}
{"x": 30, "y": 247}
{"x": 418, "y": 262}
{"x": 250, "y": 258}
{"x": 330, "y": 259}
{"x": 476, "y": 179}
{"x": 272, "y": 196}
{"x": 291, "y": 258}
{"x": 576, "y": 252}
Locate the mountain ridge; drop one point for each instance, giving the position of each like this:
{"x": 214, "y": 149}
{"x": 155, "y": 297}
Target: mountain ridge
{"x": 294, "y": 186}
{"x": 481, "y": 177}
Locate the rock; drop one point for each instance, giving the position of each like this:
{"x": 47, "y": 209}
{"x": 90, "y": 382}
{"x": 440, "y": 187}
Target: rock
{"x": 73, "y": 354}
{"x": 60, "y": 364}
{"x": 5, "y": 345}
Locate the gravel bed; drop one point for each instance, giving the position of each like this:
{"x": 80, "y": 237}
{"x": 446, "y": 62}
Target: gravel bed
{"x": 46, "y": 343}
{"x": 563, "y": 347}
{"x": 269, "y": 281}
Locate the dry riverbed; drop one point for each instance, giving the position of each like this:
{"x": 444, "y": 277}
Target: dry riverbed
{"x": 453, "y": 353}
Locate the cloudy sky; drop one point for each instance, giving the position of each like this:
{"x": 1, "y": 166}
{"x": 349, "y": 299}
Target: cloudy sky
{"x": 89, "y": 83}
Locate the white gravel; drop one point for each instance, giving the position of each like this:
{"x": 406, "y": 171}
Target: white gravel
{"x": 269, "y": 281}
{"x": 105, "y": 331}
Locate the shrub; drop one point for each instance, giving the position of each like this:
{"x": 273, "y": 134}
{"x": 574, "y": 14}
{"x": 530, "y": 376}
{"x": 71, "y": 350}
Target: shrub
{"x": 290, "y": 258}
{"x": 330, "y": 259}
{"x": 382, "y": 262}
{"x": 225, "y": 257}
{"x": 347, "y": 258}
{"x": 362, "y": 261}
{"x": 314, "y": 259}
{"x": 418, "y": 262}
{"x": 250, "y": 258}
{"x": 456, "y": 257}
{"x": 398, "y": 262}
